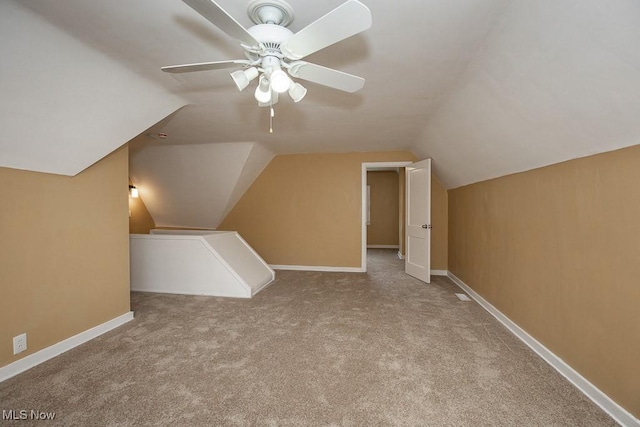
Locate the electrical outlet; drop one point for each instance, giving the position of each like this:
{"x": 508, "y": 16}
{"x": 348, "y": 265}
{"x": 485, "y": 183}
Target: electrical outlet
{"x": 19, "y": 343}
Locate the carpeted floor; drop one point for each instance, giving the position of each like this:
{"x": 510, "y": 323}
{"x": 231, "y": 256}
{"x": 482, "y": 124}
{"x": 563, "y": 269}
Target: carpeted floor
{"x": 341, "y": 349}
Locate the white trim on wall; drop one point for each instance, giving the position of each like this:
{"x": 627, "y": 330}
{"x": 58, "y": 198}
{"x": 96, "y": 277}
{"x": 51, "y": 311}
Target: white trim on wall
{"x": 439, "y": 273}
{"x": 318, "y": 268}
{"x": 50, "y": 352}
{"x": 616, "y": 411}
{"x": 382, "y": 246}
{"x": 400, "y": 255}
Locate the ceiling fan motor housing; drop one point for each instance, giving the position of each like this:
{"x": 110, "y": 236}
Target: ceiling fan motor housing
{"x": 271, "y": 36}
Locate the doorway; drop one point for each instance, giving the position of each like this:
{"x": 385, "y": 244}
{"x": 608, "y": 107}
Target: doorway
{"x": 377, "y": 167}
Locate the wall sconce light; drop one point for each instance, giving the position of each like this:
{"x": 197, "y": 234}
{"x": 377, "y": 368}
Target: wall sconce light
{"x": 133, "y": 191}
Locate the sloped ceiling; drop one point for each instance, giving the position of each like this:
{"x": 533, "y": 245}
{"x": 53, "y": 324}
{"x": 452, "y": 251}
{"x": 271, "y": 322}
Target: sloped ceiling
{"x": 484, "y": 87}
{"x": 65, "y": 105}
{"x": 194, "y": 185}
{"x": 554, "y": 80}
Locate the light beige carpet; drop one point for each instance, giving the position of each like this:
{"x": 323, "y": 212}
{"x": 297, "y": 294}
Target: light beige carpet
{"x": 343, "y": 349}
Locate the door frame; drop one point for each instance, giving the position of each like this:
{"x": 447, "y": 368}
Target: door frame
{"x": 365, "y": 167}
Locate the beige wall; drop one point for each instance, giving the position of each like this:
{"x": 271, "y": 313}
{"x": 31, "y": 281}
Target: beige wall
{"x": 64, "y": 253}
{"x": 305, "y": 209}
{"x": 401, "y": 196}
{"x": 440, "y": 225}
{"x": 557, "y": 250}
{"x": 384, "y": 201}
{"x": 140, "y": 220}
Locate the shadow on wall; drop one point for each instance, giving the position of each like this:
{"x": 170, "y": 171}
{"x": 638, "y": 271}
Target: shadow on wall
{"x": 384, "y": 220}
{"x": 140, "y": 221}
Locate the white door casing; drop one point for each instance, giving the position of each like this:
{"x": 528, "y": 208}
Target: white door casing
{"x": 418, "y": 220}
{"x": 371, "y": 166}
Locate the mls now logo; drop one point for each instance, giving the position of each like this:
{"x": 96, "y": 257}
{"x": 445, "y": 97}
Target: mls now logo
{"x": 23, "y": 414}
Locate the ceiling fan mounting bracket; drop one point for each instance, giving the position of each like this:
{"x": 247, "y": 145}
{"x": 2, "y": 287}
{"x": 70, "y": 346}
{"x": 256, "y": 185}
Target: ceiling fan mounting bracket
{"x": 276, "y": 12}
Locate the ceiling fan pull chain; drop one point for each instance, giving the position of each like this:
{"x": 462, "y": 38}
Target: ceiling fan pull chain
{"x": 271, "y": 114}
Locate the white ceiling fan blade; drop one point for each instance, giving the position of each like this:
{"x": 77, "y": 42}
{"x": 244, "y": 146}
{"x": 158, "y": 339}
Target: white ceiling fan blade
{"x": 221, "y": 19}
{"x": 346, "y": 20}
{"x": 204, "y": 66}
{"x": 326, "y": 76}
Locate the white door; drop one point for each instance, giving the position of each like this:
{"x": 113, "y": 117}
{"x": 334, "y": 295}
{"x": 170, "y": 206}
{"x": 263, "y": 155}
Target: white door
{"x": 418, "y": 235}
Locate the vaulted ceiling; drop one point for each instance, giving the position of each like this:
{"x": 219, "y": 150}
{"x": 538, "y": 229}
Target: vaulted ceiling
{"x": 484, "y": 87}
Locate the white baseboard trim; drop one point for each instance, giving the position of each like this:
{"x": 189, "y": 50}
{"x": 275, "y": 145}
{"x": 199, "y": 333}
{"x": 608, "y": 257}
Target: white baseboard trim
{"x": 318, "y": 268}
{"x": 617, "y": 412}
{"x": 50, "y": 352}
{"x": 400, "y": 255}
{"x": 439, "y": 273}
{"x": 382, "y": 246}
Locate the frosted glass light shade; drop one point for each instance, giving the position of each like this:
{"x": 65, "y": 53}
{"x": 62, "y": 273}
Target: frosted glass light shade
{"x": 263, "y": 92}
{"x": 297, "y": 92}
{"x": 242, "y": 77}
{"x": 272, "y": 101}
{"x": 280, "y": 82}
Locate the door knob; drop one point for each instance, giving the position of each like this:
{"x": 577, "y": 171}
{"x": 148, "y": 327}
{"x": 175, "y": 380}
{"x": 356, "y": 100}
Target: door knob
{"x": 428, "y": 226}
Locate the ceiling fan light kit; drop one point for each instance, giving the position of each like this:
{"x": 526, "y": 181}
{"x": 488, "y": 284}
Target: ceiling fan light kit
{"x": 279, "y": 81}
{"x": 242, "y": 78}
{"x": 271, "y": 48}
{"x": 297, "y": 92}
{"x": 263, "y": 91}
{"x": 271, "y": 102}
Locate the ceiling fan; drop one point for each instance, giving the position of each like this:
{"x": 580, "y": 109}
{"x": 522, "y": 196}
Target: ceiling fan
{"x": 270, "y": 47}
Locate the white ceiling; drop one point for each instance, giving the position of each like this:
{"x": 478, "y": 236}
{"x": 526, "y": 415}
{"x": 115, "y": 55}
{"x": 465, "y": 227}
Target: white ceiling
{"x": 484, "y": 87}
{"x": 188, "y": 185}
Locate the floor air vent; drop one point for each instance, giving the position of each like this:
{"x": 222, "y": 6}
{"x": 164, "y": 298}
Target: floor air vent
{"x": 463, "y": 297}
